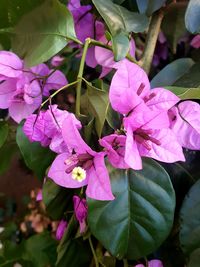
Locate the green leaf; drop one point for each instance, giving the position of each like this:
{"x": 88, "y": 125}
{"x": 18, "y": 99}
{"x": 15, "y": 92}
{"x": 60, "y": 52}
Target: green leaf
{"x": 185, "y": 93}
{"x": 173, "y": 24}
{"x": 120, "y": 22}
{"x": 172, "y": 72}
{"x": 41, "y": 250}
{"x": 120, "y": 46}
{"x": 191, "y": 78}
{"x": 69, "y": 253}
{"x": 69, "y": 247}
{"x": 113, "y": 118}
{"x": 10, "y": 13}
{"x": 8, "y": 150}
{"x": 149, "y": 6}
{"x": 97, "y": 103}
{"x": 192, "y": 18}
{"x": 194, "y": 258}
{"x": 56, "y": 199}
{"x": 42, "y": 33}
{"x": 3, "y": 132}
{"x": 190, "y": 218}
{"x": 36, "y": 157}
{"x": 141, "y": 216}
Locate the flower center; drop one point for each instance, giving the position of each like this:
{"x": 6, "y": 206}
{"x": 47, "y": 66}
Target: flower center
{"x": 78, "y": 174}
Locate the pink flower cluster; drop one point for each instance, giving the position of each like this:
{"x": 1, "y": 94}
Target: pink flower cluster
{"x": 21, "y": 88}
{"x": 155, "y": 124}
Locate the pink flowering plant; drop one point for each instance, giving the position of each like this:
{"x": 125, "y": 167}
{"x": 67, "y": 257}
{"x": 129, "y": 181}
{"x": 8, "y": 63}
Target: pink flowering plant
{"x": 101, "y": 100}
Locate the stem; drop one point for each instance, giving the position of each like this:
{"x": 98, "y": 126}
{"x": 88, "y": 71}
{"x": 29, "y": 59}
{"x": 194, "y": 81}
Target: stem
{"x": 97, "y": 43}
{"x": 56, "y": 92}
{"x": 125, "y": 263}
{"x": 93, "y": 252}
{"x": 152, "y": 36}
{"x": 80, "y": 75}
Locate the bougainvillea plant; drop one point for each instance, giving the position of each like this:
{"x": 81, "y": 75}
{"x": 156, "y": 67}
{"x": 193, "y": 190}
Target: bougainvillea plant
{"x": 101, "y": 98}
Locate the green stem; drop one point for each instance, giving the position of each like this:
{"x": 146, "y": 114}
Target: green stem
{"x": 152, "y": 36}
{"x": 93, "y": 252}
{"x": 56, "y": 92}
{"x": 97, "y": 43}
{"x": 125, "y": 263}
{"x": 80, "y": 75}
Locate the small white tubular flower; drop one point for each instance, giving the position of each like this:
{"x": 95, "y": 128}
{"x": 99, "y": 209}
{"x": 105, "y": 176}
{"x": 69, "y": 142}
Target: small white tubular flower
{"x": 78, "y": 174}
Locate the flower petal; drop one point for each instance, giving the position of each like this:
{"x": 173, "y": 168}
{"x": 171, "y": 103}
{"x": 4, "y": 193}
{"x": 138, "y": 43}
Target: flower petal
{"x": 10, "y": 64}
{"x": 169, "y": 151}
{"x": 57, "y": 173}
{"x": 98, "y": 180}
{"x": 127, "y": 81}
{"x": 7, "y": 89}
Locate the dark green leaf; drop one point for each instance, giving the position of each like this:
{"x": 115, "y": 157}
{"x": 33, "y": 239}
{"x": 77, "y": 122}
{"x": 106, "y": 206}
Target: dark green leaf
{"x": 42, "y": 33}
{"x": 192, "y": 17}
{"x": 190, "y": 218}
{"x": 149, "y": 6}
{"x": 191, "y": 78}
{"x": 68, "y": 247}
{"x": 8, "y": 150}
{"x": 69, "y": 253}
{"x": 172, "y": 72}
{"x": 3, "y": 133}
{"x": 173, "y": 24}
{"x": 41, "y": 250}
{"x": 56, "y": 199}
{"x": 120, "y": 46}
{"x": 141, "y": 216}
{"x": 36, "y": 157}
{"x": 113, "y": 118}
{"x": 120, "y": 22}
{"x": 97, "y": 103}
{"x": 194, "y": 258}
{"x": 185, "y": 93}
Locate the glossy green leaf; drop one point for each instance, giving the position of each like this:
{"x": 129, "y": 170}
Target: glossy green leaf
{"x": 36, "y": 157}
{"x": 190, "y": 218}
{"x": 8, "y": 150}
{"x": 56, "y": 199}
{"x": 43, "y": 32}
{"x": 185, "y": 93}
{"x": 172, "y": 72}
{"x": 3, "y": 132}
{"x": 120, "y": 22}
{"x": 113, "y": 118}
{"x": 120, "y": 46}
{"x": 192, "y": 17}
{"x": 149, "y": 6}
{"x": 141, "y": 216}
{"x": 173, "y": 24}
{"x": 191, "y": 78}
{"x": 97, "y": 103}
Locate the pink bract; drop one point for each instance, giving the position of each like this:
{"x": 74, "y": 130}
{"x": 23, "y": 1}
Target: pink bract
{"x": 97, "y": 178}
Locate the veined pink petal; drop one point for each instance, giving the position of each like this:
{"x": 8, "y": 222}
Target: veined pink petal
{"x": 7, "y": 89}
{"x": 129, "y": 85}
{"x": 72, "y": 136}
{"x": 161, "y": 99}
{"x": 99, "y": 186}
{"x": 40, "y": 69}
{"x": 80, "y": 208}
{"x": 10, "y": 64}
{"x": 186, "y": 124}
{"x": 115, "y": 154}
{"x": 169, "y": 150}
{"x": 57, "y": 173}
{"x": 54, "y": 82}
{"x": 61, "y": 229}
{"x": 21, "y": 110}
{"x": 132, "y": 156}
